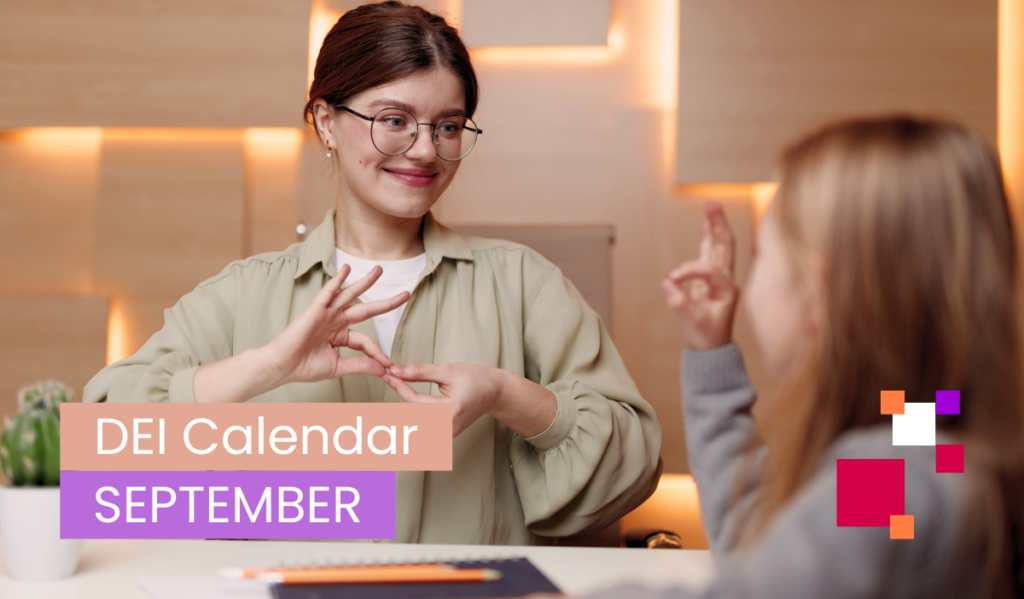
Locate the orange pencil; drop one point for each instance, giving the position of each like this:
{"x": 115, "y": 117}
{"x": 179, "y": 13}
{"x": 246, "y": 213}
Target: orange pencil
{"x": 376, "y": 568}
{"x": 363, "y": 575}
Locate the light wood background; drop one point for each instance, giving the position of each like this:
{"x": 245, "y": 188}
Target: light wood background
{"x": 754, "y": 73}
{"x": 102, "y": 228}
{"x": 150, "y": 63}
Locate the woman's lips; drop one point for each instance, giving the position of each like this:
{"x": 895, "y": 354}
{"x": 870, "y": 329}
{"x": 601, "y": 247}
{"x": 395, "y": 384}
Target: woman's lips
{"x": 417, "y": 177}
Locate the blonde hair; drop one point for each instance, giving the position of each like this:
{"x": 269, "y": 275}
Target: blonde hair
{"x": 920, "y": 293}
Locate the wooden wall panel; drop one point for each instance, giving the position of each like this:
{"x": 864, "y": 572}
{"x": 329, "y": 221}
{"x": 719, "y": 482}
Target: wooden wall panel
{"x": 150, "y": 63}
{"x": 754, "y": 74}
{"x": 50, "y": 337}
{"x": 47, "y": 212}
{"x": 318, "y": 184}
{"x": 340, "y": 7}
{"x": 170, "y": 213}
{"x": 272, "y": 162}
{"x": 488, "y": 23}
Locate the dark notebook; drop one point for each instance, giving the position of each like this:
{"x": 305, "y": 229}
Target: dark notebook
{"x": 518, "y": 577}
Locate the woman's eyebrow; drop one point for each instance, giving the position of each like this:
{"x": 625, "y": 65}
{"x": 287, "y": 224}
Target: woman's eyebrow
{"x": 392, "y": 103}
{"x": 389, "y": 103}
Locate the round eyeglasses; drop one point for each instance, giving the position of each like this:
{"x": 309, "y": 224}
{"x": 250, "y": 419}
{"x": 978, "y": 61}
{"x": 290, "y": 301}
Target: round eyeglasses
{"x": 393, "y": 131}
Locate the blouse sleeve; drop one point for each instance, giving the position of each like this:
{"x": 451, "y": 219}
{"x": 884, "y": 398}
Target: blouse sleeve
{"x": 196, "y": 331}
{"x": 599, "y": 458}
{"x": 720, "y": 431}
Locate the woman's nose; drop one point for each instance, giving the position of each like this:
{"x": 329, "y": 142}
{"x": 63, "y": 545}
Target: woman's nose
{"x": 423, "y": 146}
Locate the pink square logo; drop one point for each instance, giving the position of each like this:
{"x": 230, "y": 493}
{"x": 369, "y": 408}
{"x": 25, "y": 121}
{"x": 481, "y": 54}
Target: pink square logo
{"x": 868, "y": 492}
{"x": 949, "y": 458}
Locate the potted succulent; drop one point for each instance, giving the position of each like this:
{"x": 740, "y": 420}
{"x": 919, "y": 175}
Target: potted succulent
{"x": 30, "y": 503}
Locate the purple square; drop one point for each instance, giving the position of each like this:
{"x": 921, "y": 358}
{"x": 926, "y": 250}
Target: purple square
{"x": 947, "y": 402}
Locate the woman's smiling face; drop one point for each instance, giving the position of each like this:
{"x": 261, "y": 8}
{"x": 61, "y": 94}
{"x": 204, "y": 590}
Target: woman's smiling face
{"x": 406, "y": 185}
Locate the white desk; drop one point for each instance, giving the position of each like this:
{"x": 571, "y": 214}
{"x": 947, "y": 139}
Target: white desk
{"x": 108, "y": 568}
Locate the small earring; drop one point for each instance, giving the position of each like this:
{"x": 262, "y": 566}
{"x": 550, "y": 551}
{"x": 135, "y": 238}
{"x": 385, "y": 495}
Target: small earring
{"x": 328, "y": 152}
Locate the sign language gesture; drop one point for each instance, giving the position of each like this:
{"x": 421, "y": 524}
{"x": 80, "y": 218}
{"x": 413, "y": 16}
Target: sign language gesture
{"x": 472, "y": 390}
{"x": 702, "y": 291}
{"x": 522, "y": 405}
{"x": 307, "y": 348}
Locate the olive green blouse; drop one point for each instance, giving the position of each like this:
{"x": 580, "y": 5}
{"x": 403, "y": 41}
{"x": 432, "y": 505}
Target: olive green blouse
{"x": 481, "y": 301}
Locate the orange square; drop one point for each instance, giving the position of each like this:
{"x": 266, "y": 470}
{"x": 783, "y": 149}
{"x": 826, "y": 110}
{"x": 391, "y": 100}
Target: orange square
{"x": 901, "y": 527}
{"x": 892, "y": 402}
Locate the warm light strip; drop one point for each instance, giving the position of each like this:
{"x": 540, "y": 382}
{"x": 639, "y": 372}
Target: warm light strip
{"x": 170, "y": 134}
{"x": 1011, "y": 96}
{"x": 556, "y": 55}
{"x": 759, "y": 194}
{"x": 320, "y": 22}
{"x": 666, "y": 85}
{"x": 278, "y": 143}
{"x": 89, "y": 138}
{"x": 667, "y": 29}
{"x": 61, "y": 139}
{"x": 117, "y": 335}
{"x": 716, "y": 190}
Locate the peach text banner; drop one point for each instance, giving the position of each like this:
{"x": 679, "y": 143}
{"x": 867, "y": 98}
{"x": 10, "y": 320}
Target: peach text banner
{"x": 257, "y": 436}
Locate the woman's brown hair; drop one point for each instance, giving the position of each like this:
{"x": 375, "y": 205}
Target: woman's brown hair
{"x": 379, "y": 43}
{"x": 921, "y": 293}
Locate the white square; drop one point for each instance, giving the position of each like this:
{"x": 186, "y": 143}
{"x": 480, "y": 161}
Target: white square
{"x": 915, "y": 426}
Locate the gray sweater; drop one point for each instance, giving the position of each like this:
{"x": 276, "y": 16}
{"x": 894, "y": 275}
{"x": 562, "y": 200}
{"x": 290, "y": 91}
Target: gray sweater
{"x": 803, "y": 553}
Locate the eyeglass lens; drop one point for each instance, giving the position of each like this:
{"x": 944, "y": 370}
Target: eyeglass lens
{"x": 394, "y": 131}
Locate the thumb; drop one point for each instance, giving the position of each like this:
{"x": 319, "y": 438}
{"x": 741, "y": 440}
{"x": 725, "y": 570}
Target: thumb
{"x": 430, "y": 373}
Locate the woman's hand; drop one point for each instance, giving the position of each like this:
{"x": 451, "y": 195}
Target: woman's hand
{"x": 702, "y": 291}
{"x": 522, "y": 405}
{"x": 306, "y": 351}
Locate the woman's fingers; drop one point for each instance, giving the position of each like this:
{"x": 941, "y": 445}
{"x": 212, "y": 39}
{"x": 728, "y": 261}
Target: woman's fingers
{"x": 360, "y": 312}
{"x": 350, "y": 293}
{"x": 431, "y": 373}
{"x": 405, "y": 390}
{"x": 357, "y": 365}
{"x": 361, "y": 342}
{"x": 330, "y": 289}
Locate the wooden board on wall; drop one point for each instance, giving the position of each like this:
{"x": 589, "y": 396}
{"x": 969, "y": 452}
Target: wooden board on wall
{"x": 59, "y": 337}
{"x": 48, "y": 192}
{"x": 754, "y": 74}
{"x": 272, "y": 164}
{"x": 488, "y": 23}
{"x": 170, "y": 213}
{"x": 149, "y": 63}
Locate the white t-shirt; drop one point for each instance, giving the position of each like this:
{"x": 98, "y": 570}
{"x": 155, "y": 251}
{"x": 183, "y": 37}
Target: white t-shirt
{"x": 398, "y": 276}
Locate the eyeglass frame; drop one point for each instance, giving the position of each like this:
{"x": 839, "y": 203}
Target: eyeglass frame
{"x": 433, "y": 130}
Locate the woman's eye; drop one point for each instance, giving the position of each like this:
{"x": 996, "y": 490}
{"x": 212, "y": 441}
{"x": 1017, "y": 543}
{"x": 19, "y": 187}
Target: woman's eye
{"x": 396, "y": 122}
{"x": 449, "y": 128}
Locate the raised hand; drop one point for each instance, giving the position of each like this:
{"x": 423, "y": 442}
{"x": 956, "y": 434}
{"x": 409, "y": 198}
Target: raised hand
{"x": 702, "y": 291}
{"x": 306, "y": 351}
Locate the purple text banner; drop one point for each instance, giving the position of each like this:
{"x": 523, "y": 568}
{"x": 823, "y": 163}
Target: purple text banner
{"x": 227, "y": 505}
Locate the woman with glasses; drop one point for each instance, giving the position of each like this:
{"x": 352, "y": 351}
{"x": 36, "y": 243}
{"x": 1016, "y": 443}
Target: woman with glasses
{"x": 551, "y": 435}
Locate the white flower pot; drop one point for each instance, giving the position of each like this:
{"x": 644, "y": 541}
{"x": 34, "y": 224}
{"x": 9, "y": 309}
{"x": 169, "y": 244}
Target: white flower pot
{"x": 30, "y": 534}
